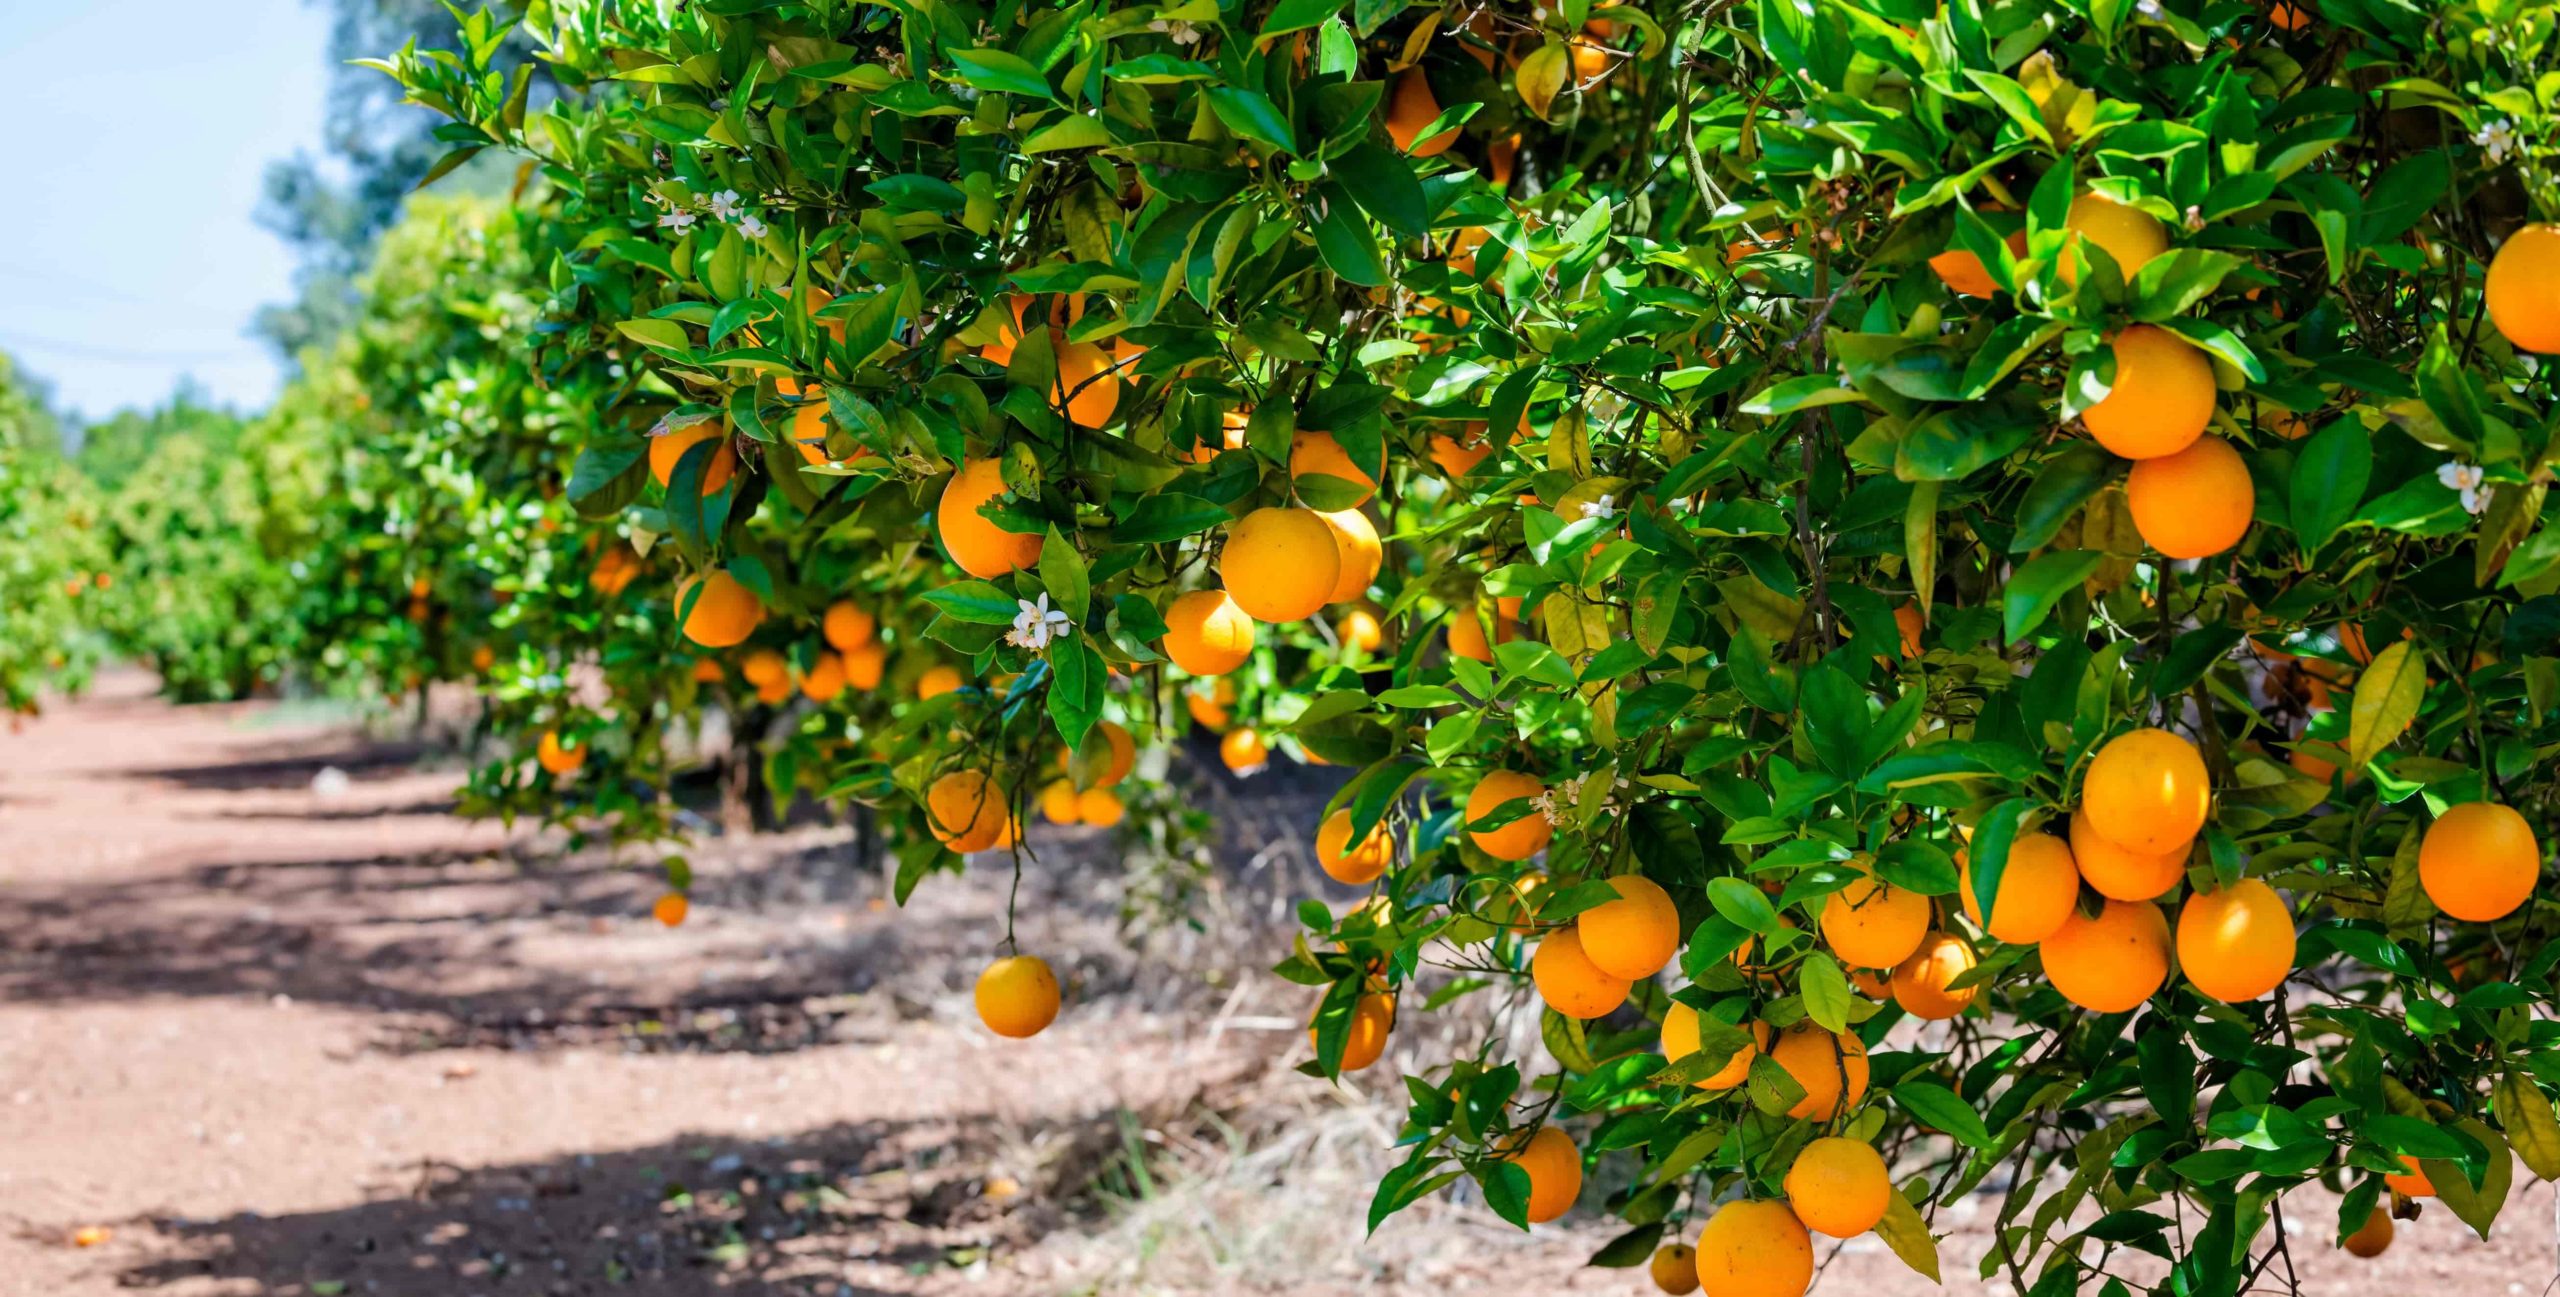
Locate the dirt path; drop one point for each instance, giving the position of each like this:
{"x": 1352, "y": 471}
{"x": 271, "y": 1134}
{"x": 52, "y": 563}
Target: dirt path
{"x": 284, "y": 1032}
{"x": 280, "y": 1038}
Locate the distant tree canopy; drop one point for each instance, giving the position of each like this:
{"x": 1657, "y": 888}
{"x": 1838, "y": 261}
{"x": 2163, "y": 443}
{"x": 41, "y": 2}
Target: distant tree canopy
{"x": 332, "y": 207}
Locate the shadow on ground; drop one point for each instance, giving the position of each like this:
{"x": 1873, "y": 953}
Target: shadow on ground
{"x": 865, "y": 1208}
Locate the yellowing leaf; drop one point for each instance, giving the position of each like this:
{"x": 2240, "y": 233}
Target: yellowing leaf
{"x": 2526, "y": 1113}
{"x": 2386, "y": 701}
{"x": 1908, "y": 1236}
{"x": 1541, "y": 76}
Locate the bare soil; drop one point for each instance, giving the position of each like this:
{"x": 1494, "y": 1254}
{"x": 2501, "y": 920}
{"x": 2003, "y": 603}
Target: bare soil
{"x": 269, "y": 1030}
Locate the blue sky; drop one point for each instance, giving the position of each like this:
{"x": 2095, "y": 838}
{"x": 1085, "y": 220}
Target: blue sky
{"x": 138, "y": 133}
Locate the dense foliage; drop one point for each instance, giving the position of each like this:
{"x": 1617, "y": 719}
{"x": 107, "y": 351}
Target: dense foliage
{"x": 1916, "y": 519}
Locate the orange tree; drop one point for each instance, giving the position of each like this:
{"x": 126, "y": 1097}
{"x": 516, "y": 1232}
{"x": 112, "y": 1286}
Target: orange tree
{"x": 1957, "y": 589}
{"x": 49, "y": 554}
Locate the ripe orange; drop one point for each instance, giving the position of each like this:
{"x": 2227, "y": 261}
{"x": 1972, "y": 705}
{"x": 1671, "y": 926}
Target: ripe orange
{"x": 2524, "y": 288}
{"x": 1008, "y": 334}
{"x": 864, "y": 664}
{"x": 1466, "y": 632}
{"x": 774, "y": 692}
{"x": 847, "y": 626}
{"x": 1521, "y": 838}
{"x": 1360, "y": 631}
{"x": 2147, "y": 791}
{"x": 1831, "y": 1068}
{"x": 2119, "y": 874}
{"x": 1920, "y": 982}
{"x": 615, "y": 569}
{"x": 2130, "y": 235}
{"x": 1356, "y": 547}
{"x": 1017, "y": 996}
{"x": 1458, "y": 456}
{"x": 981, "y": 548}
{"x": 1124, "y": 753}
{"x": 1209, "y": 709}
{"x": 557, "y": 757}
{"x": 2479, "y": 861}
{"x": 670, "y": 909}
{"x": 765, "y": 667}
{"x": 2194, "y": 503}
{"x": 725, "y": 614}
{"x": 1100, "y": 807}
{"x": 1359, "y": 865}
{"x": 1206, "y": 634}
{"x": 1244, "y": 751}
{"x": 1680, "y": 1040}
{"x": 1839, "y": 1187}
{"x": 1411, "y": 107}
{"x": 1755, "y": 1248}
{"x": 2161, "y": 399}
{"x": 2372, "y": 1236}
{"x": 824, "y": 679}
{"x": 2237, "y": 943}
{"x": 1635, "y": 935}
{"x": 2037, "y": 890}
{"x": 1058, "y": 802}
{"x": 1371, "y": 1019}
{"x": 1907, "y": 619}
{"x": 1087, "y": 388}
{"x": 1280, "y": 564}
{"x": 1873, "y": 983}
{"x": 2113, "y": 962}
{"x": 1555, "y": 1172}
{"x": 966, "y": 810}
{"x": 1873, "y": 924}
{"x": 1569, "y": 982}
{"x": 1964, "y": 272}
{"x": 1318, "y": 454}
{"x": 666, "y": 449}
{"x": 2413, "y": 1183}
{"x": 939, "y": 679}
{"x": 1674, "y": 1269}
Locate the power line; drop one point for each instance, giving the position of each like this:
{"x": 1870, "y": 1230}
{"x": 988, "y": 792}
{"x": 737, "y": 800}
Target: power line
{"x": 125, "y": 356}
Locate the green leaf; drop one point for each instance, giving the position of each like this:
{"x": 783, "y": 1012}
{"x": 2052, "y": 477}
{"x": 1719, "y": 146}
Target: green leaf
{"x": 1251, "y": 114}
{"x": 2387, "y": 699}
{"x": 1742, "y": 905}
{"x": 1834, "y": 719}
{"x": 2220, "y": 342}
{"x": 1062, "y": 573}
{"x": 1075, "y": 695}
{"x": 978, "y": 602}
{"x": 2038, "y": 584}
{"x": 667, "y": 335}
{"x": 1630, "y": 1249}
{"x": 2329, "y": 478}
{"x": 1074, "y": 131}
{"x": 1990, "y": 851}
{"x": 2064, "y": 484}
{"x": 1166, "y": 516}
{"x": 1506, "y": 1190}
{"x": 1382, "y": 182}
{"x": 1345, "y": 241}
{"x": 1826, "y": 992}
{"x": 1298, "y": 15}
{"x": 1000, "y": 71}
{"x": 1955, "y": 443}
{"x": 1938, "y": 1106}
{"x": 608, "y": 476}
{"x": 1804, "y": 393}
